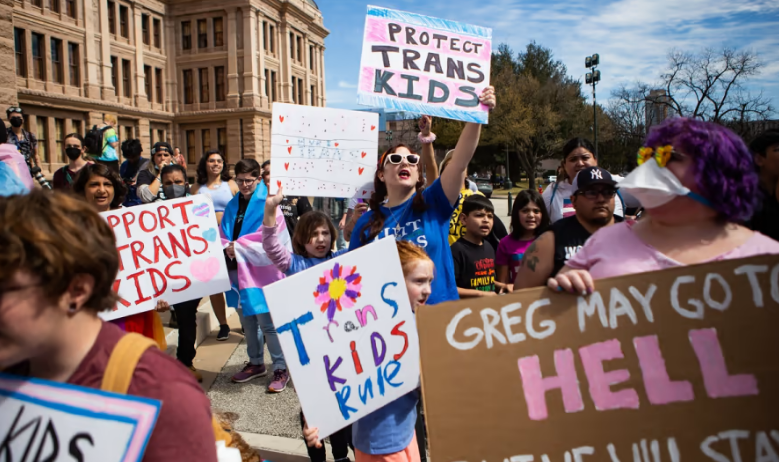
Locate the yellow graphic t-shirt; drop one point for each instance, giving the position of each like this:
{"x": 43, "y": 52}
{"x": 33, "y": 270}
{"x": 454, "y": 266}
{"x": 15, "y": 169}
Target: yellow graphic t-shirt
{"x": 456, "y": 228}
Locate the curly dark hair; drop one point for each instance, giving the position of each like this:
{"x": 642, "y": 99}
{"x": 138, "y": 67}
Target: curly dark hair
{"x": 89, "y": 170}
{"x": 376, "y": 222}
{"x": 202, "y": 174}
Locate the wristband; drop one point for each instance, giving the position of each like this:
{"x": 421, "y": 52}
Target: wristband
{"x": 426, "y": 139}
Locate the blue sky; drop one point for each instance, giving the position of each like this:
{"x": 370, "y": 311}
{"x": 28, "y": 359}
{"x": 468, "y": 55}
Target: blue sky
{"x": 632, "y": 37}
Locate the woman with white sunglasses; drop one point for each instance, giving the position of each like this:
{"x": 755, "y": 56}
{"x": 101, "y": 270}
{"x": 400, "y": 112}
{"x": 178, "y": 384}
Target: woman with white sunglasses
{"x": 418, "y": 214}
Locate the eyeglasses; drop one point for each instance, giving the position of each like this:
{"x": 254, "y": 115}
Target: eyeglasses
{"x": 594, "y": 193}
{"x": 395, "y": 159}
{"x": 245, "y": 182}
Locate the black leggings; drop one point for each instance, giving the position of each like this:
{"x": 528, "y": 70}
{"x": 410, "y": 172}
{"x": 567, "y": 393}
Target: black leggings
{"x": 186, "y": 316}
{"x": 340, "y": 442}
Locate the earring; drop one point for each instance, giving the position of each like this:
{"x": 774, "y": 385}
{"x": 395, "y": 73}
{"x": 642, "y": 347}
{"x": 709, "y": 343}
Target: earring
{"x": 73, "y": 308}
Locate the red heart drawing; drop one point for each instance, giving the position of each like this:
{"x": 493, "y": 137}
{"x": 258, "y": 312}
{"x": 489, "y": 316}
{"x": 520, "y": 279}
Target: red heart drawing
{"x": 289, "y": 149}
{"x": 336, "y": 144}
{"x": 363, "y": 154}
{"x": 286, "y": 165}
{"x": 361, "y": 169}
{"x": 287, "y": 141}
{"x": 363, "y": 192}
{"x": 281, "y": 118}
{"x": 373, "y": 127}
{"x": 278, "y": 183}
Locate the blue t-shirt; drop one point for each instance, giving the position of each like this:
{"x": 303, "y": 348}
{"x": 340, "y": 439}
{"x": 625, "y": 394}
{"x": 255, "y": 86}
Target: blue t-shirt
{"x": 388, "y": 429}
{"x": 429, "y": 230}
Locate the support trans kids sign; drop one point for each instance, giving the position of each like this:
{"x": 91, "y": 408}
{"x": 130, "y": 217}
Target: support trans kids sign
{"x": 416, "y": 63}
{"x": 348, "y": 334}
{"x": 676, "y": 365}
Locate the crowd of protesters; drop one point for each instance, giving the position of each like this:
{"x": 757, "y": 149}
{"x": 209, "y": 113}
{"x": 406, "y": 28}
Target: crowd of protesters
{"x": 699, "y": 194}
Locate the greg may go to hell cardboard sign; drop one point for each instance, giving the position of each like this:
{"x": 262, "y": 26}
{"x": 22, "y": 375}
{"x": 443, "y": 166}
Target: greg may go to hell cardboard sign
{"x": 677, "y": 365}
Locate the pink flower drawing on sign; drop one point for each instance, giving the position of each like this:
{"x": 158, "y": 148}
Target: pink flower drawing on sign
{"x": 339, "y": 288}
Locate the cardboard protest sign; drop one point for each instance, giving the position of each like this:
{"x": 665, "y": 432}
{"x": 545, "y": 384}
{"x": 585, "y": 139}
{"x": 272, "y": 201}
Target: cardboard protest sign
{"x": 55, "y": 421}
{"x": 323, "y": 152}
{"x": 348, "y": 335}
{"x": 673, "y": 366}
{"x": 169, "y": 250}
{"x": 416, "y": 63}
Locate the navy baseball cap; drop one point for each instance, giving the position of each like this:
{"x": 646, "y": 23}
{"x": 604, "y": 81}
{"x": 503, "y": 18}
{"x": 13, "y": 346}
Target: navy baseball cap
{"x": 593, "y": 175}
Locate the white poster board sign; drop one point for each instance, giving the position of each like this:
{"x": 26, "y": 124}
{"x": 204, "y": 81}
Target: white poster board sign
{"x": 168, "y": 250}
{"x": 52, "y": 421}
{"x": 323, "y": 152}
{"x": 348, "y": 335}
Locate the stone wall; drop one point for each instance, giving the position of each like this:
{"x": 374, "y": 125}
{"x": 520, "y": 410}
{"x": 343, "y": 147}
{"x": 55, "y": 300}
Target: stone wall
{"x": 7, "y": 71}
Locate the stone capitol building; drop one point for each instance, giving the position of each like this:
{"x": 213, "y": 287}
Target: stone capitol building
{"x": 199, "y": 74}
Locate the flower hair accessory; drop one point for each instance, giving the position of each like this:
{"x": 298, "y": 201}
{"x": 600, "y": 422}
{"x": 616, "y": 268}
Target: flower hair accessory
{"x": 662, "y": 154}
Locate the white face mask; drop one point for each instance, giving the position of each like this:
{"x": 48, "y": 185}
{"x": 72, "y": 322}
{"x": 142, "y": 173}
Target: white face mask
{"x": 654, "y": 186}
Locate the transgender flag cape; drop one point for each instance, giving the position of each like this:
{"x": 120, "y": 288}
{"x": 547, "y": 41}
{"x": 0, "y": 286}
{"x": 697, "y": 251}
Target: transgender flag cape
{"x": 255, "y": 269}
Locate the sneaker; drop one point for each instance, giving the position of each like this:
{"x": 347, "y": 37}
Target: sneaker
{"x": 224, "y": 332}
{"x": 250, "y": 371}
{"x": 279, "y": 382}
{"x": 195, "y": 373}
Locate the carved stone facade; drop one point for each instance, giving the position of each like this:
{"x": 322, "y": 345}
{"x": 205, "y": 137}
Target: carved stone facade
{"x": 199, "y": 74}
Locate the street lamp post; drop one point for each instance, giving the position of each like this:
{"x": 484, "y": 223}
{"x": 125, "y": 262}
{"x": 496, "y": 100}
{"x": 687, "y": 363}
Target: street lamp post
{"x": 591, "y": 79}
{"x": 389, "y": 138}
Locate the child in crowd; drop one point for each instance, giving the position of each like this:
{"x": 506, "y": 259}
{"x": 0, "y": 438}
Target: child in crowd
{"x": 474, "y": 257}
{"x": 312, "y": 243}
{"x": 529, "y": 219}
{"x": 389, "y": 435}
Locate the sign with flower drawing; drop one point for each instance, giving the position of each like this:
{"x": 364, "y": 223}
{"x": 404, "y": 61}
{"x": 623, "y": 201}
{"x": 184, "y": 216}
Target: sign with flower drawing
{"x": 348, "y": 335}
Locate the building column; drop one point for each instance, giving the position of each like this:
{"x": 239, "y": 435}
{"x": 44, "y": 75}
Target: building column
{"x": 171, "y": 73}
{"x": 141, "y": 98}
{"x": 91, "y": 73}
{"x": 109, "y": 92}
{"x": 251, "y": 95}
{"x": 285, "y": 63}
{"x": 232, "y": 59}
{"x": 307, "y": 61}
{"x": 323, "y": 98}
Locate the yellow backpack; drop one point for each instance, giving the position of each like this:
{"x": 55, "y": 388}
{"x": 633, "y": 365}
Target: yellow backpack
{"x": 121, "y": 367}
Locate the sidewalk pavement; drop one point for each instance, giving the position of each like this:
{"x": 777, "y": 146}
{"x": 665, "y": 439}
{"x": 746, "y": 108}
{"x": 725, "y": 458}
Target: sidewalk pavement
{"x": 269, "y": 422}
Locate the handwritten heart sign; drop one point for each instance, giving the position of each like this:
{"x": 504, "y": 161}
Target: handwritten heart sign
{"x": 278, "y": 183}
{"x": 210, "y": 235}
{"x": 204, "y": 270}
{"x": 289, "y": 149}
{"x": 336, "y": 144}
{"x": 362, "y": 154}
{"x": 202, "y": 210}
{"x": 373, "y": 127}
{"x": 361, "y": 169}
{"x": 287, "y": 141}
{"x": 286, "y": 165}
{"x": 281, "y": 119}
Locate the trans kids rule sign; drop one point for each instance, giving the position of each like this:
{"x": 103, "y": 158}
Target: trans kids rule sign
{"x": 673, "y": 366}
{"x": 348, "y": 334}
{"x": 168, "y": 250}
{"x": 425, "y": 65}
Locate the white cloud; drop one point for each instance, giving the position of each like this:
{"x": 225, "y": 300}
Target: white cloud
{"x": 343, "y": 84}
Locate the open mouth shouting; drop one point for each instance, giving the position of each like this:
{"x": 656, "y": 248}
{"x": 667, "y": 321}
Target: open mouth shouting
{"x": 404, "y": 174}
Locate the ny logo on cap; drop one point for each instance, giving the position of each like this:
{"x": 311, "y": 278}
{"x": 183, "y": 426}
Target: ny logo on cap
{"x": 596, "y": 175}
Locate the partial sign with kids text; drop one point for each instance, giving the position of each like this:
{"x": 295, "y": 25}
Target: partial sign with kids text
{"x": 675, "y": 365}
{"x": 323, "y": 152}
{"x": 348, "y": 335}
{"x": 168, "y": 250}
{"x": 49, "y": 421}
{"x": 425, "y": 65}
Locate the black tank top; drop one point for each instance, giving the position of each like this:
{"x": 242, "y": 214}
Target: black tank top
{"x": 569, "y": 237}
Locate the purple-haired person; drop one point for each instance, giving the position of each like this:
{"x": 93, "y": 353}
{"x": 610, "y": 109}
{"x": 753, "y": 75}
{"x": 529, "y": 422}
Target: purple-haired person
{"x": 697, "y": 182}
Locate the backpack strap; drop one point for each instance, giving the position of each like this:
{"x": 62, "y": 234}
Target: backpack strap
{"x": 124, "y": 358}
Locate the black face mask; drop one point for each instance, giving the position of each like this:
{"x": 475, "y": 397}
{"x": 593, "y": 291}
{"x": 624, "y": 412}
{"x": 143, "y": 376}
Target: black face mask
{"x": 17, "y": 122}
{"x": 73, "y": 153}
{"x": 175, "y": 191}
